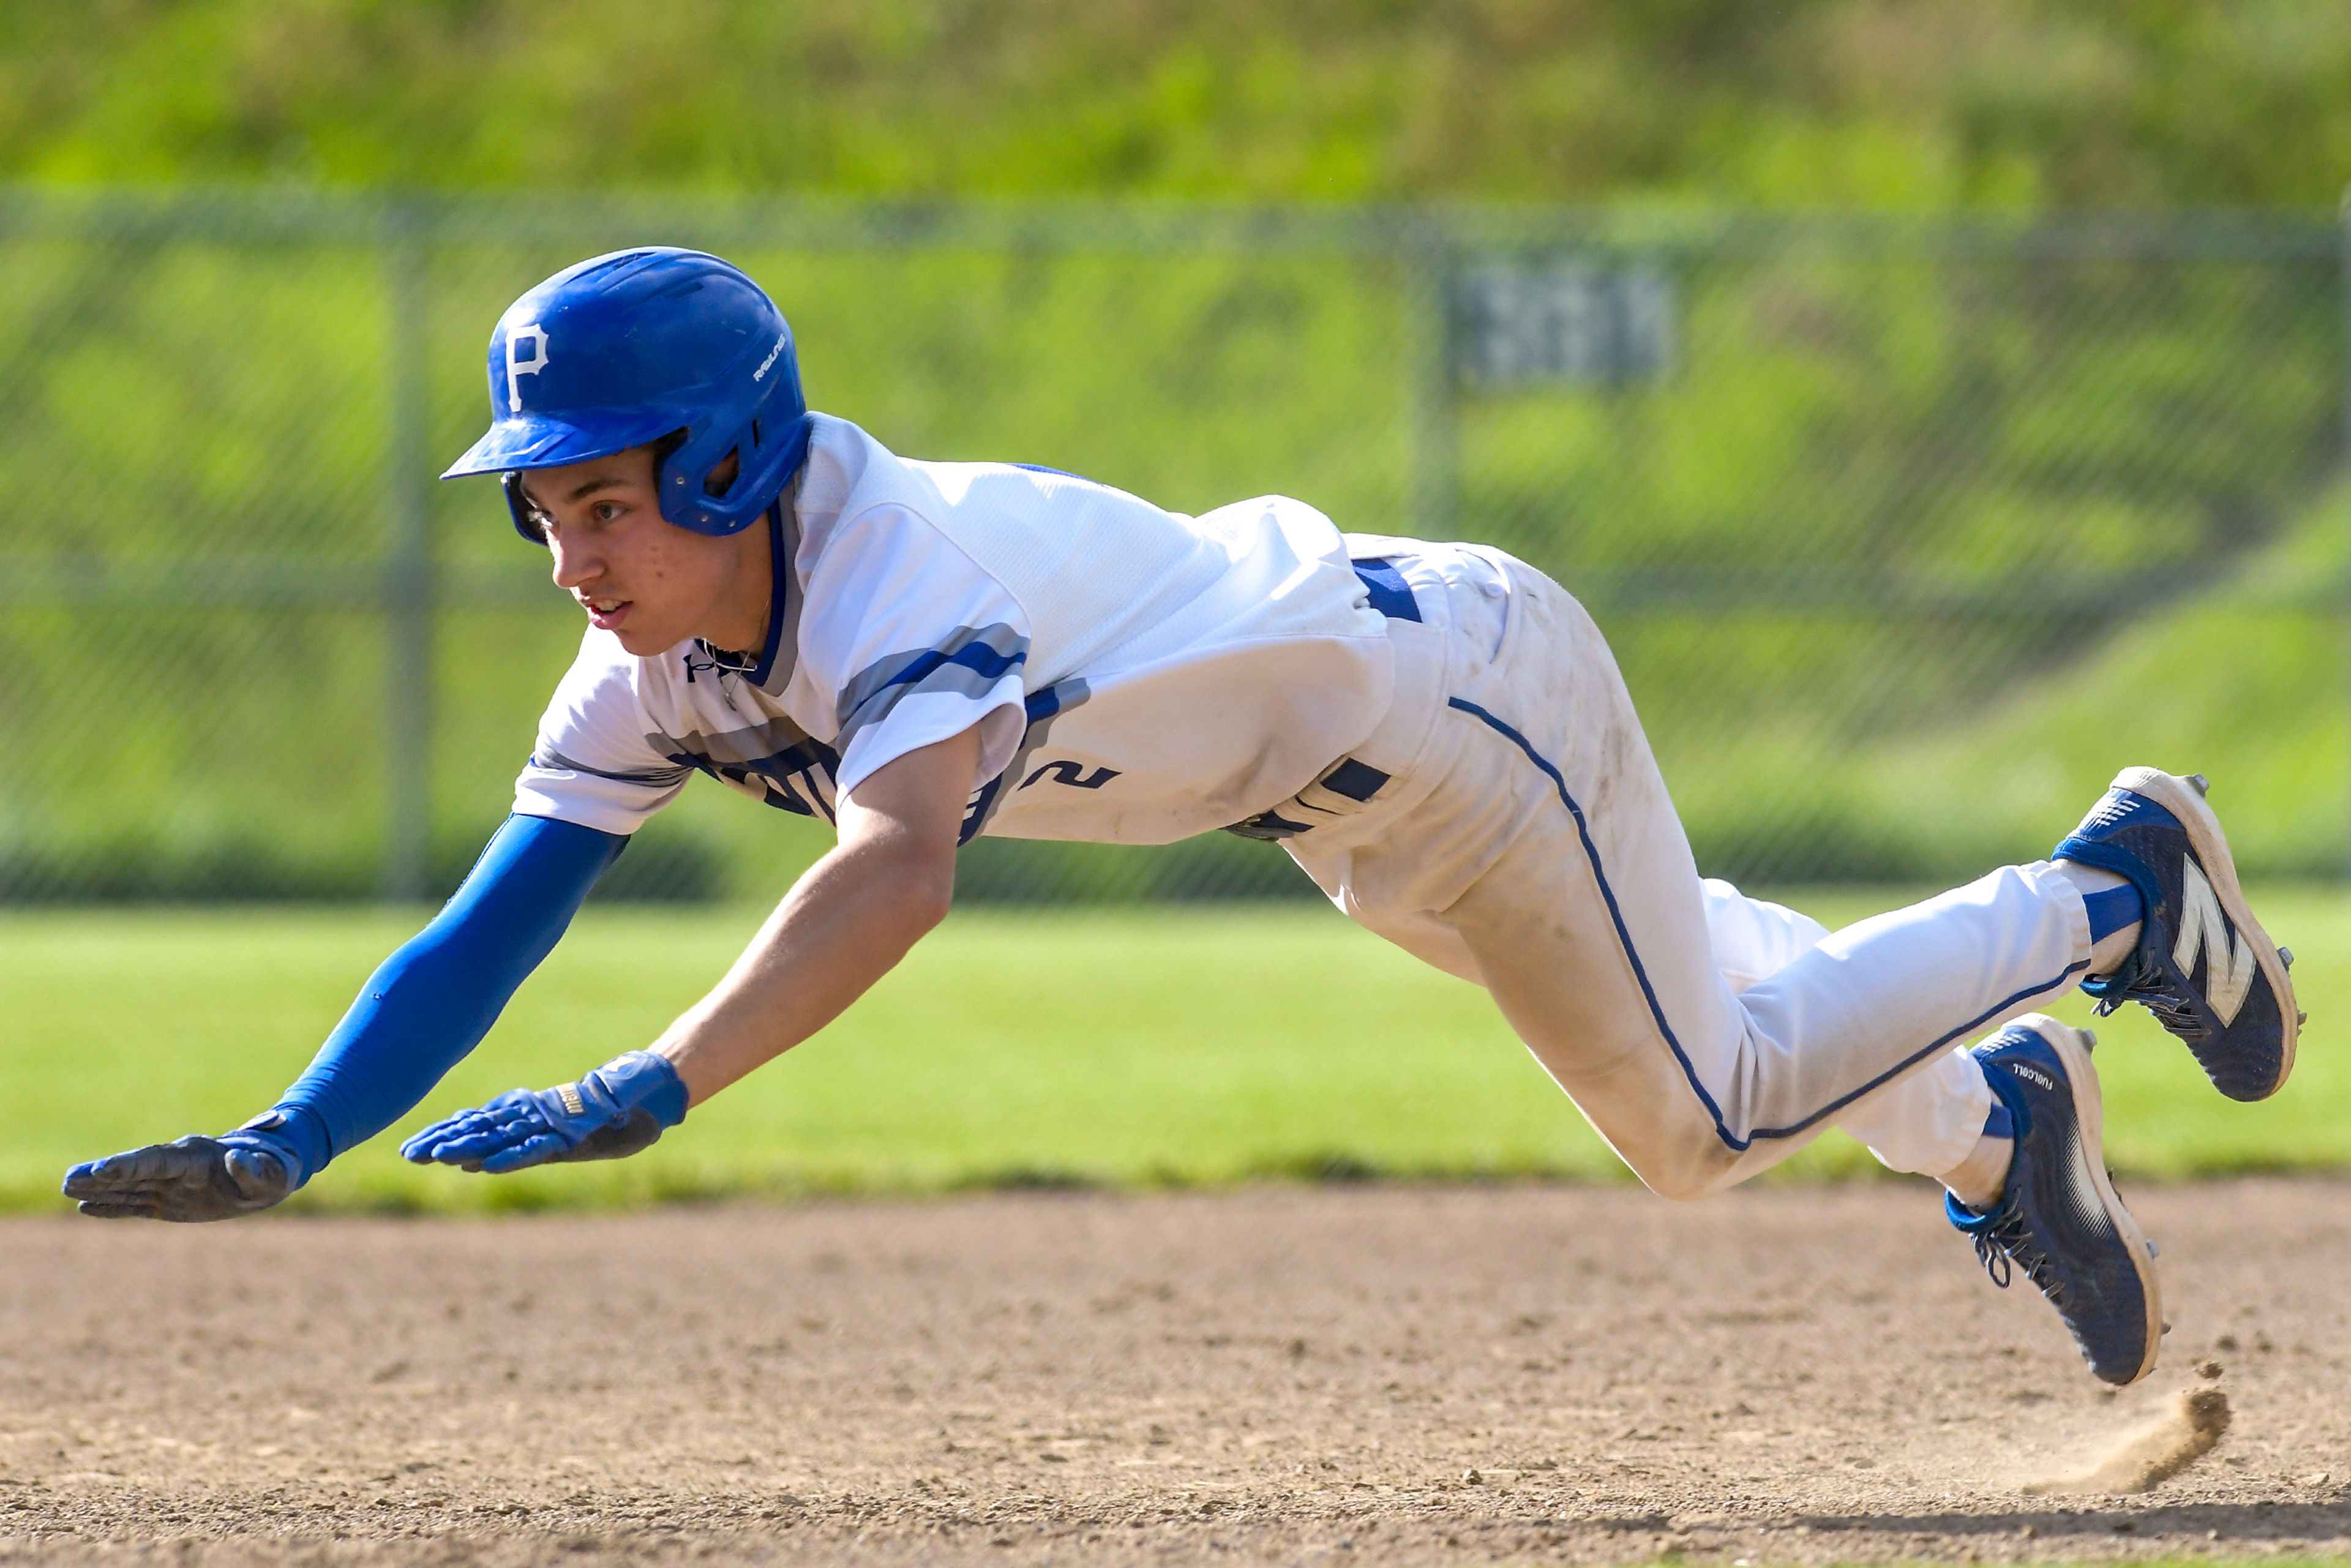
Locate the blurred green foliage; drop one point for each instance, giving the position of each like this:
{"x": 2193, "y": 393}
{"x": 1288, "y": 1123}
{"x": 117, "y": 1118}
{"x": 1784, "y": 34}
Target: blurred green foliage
{"x": 1896, "y": 557}
{"x": 1907, "y": 103}
{"x": 1919, "y": 521}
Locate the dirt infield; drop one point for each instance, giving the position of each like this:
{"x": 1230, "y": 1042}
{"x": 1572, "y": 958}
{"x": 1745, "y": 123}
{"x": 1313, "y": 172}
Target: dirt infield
{"x": 1316, "y": 1376}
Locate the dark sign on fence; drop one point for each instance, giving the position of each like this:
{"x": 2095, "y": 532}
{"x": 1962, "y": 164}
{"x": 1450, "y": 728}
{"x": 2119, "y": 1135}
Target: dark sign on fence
{"x": 1574, "y": 320}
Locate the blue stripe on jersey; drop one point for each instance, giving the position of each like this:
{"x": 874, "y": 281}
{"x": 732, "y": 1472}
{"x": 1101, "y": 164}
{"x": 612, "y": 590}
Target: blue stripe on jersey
{"x": 1391, "y": 594}
{"x": 1042, "y": 705}
{"x": 984, "y": 661}
{"x": 780, "y": 594}
{"x": 1056, "y": 472}
{"x": 970, "y": 661}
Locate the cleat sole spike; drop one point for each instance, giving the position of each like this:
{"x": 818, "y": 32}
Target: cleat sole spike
{"x": 2152, "y": 1250}
{"x": 2201, "y": 784}
{"x": 2285, "y": 956}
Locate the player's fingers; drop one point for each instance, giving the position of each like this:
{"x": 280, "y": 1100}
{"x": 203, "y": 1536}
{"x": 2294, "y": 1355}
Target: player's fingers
{"x": 148, "y": 1164}
{"x": 470, "y": 1134}
{"x": 98, "y": 1208}
{"x": 421, "y": 1143}
{"x": 448, "y": 1126}
{"x": 426, "y": 1146}
{"x": 530, "y": 1151}
{"x": 132, "y": 1170}
{"x": 483, "y": 1143}
{"x": 84, "y": 1180}
{"x": 504, "y": 1125}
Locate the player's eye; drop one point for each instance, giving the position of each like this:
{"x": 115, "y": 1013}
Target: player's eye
{"x": 607, "y": 511}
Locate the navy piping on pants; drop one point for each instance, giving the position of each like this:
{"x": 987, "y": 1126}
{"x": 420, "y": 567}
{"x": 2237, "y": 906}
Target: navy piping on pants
{"x": 1657, "y": 1013}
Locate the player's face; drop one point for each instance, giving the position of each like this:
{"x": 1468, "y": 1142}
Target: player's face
{"x": 638, "y": 576}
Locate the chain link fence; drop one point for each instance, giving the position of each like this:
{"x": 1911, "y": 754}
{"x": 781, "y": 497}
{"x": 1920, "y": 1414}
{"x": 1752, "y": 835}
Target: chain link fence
{"x": 1907, "y": 533}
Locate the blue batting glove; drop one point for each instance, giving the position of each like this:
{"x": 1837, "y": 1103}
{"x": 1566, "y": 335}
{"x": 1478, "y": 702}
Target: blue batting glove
{"x": 194, "y": 1179}
{"x": 621, "y": 1108}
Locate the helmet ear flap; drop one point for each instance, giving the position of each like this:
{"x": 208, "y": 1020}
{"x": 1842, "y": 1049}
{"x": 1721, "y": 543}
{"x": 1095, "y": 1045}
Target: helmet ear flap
{"x": 731, "y": 466}
{"x": 689, "y": 497}
{"x": 664, "y": 448}
{"x": 683, "y": 479}
{"x": 527, "y": 520}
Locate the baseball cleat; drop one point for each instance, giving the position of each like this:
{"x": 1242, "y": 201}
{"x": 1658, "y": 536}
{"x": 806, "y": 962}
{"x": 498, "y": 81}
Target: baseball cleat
{"x": 2203, "y": 965}
{"x": 2059, "y": 1218}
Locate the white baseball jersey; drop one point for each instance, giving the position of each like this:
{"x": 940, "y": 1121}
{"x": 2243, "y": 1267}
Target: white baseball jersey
{"x": 1137, "y": 675}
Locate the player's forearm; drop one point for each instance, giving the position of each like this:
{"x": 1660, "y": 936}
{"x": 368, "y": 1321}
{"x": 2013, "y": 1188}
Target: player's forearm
{"x": 843, "y": 926}
{"x": 432, "y": 1001}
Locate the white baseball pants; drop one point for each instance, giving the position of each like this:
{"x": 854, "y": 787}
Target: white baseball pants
{"x": 1524, "y": 840}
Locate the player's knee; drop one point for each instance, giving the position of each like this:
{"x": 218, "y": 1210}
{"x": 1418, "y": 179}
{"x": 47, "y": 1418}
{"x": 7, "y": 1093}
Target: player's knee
{"x": 1682, "y": 1186}
{"x": 1689, "y": 1169}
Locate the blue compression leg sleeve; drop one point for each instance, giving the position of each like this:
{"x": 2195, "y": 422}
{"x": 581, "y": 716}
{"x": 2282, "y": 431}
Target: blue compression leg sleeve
{"x": 432, "y": 1001}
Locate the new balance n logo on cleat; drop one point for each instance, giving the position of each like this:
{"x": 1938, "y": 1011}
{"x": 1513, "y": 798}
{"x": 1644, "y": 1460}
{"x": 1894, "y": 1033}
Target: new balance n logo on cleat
{"x": 2229, "y": 963}
{"x": 2202, "y": 965}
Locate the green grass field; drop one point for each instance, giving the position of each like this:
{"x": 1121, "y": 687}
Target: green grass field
{"x": 1150, "y": 1047}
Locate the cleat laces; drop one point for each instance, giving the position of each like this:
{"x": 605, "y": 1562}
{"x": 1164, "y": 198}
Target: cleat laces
{"x": 2136, "y": 980}
{"x": 2008, "y": 1244}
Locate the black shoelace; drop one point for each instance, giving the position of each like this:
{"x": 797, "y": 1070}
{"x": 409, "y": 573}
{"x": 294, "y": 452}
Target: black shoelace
{"x": 2147, "y": 985}
{"x": 2009, "y": 1241}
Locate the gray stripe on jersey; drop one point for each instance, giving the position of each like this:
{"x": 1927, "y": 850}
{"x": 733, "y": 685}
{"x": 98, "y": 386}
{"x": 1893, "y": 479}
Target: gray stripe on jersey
{"x": 657, "y": 778}
{"x": 969, "y": 661}
{"x": 756, "y": 742}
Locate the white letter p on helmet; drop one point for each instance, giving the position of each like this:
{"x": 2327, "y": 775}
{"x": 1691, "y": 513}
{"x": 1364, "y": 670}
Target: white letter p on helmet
{"x": 516, "y": 368}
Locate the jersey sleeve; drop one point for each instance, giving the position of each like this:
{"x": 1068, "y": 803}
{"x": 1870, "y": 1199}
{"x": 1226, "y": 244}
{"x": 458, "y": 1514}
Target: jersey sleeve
{"x": 595, "y": 763}
{"x": 913, "y": 642}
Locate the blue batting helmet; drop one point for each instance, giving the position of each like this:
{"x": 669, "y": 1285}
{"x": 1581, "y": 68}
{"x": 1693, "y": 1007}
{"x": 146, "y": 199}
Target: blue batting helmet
{"x": 625, "y": 349}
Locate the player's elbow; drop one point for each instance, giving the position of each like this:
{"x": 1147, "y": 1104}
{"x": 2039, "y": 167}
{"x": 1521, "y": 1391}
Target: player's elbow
{"x": 929, "y": 897}
{"x": 916, "y": 888}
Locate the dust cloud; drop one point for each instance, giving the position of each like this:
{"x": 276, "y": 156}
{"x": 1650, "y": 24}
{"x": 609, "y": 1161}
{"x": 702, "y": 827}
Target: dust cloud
{"x": 2183, "y": 1432}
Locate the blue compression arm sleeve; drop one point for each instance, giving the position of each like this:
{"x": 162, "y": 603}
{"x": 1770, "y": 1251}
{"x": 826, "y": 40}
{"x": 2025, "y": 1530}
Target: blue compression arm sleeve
{"x": 433, "y": 999}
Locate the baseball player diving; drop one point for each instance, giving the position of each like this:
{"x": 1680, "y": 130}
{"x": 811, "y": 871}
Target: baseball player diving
{"x": 921, "y": 653}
